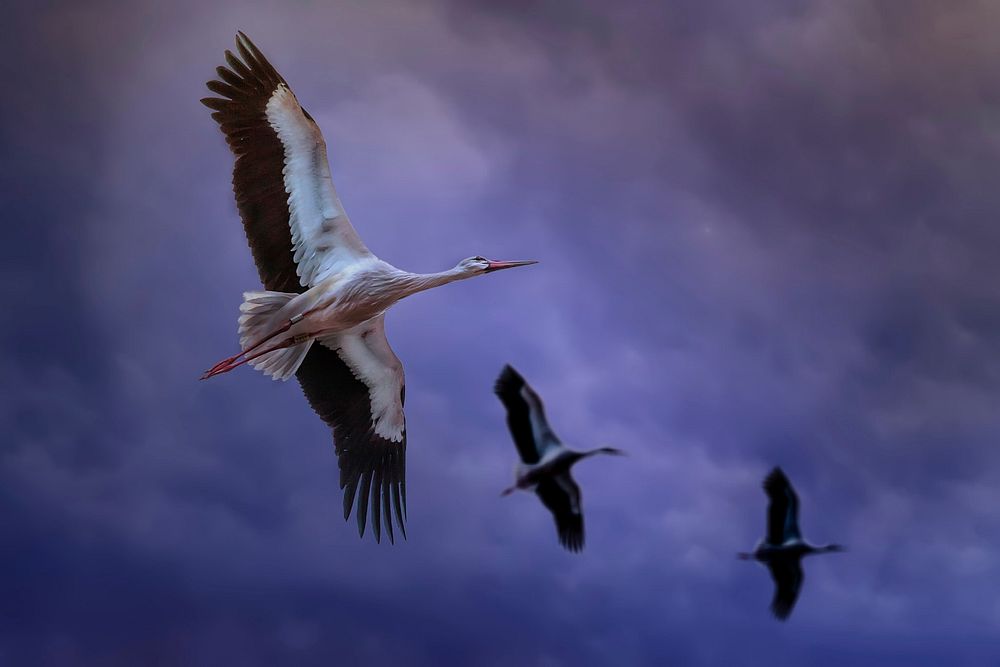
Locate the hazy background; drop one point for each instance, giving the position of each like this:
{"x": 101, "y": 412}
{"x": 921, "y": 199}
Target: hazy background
{"x": 768, "y": 234}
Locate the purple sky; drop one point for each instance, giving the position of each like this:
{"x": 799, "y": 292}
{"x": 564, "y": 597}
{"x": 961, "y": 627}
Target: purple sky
{"x": 768, "y": 235}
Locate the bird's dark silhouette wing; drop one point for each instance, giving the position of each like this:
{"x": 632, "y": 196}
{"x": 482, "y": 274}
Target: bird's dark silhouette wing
{"x": 525, "y": 415}
{"x": 787, "y": 575}
{"x": 783, "y": 509}
{"x": 561, "y": 496}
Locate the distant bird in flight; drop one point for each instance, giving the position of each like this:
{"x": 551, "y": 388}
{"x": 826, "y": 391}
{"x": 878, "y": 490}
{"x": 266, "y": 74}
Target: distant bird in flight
{"x": 323, "y": 284}
{"x": 783, "y": 548}
{"x": 545, "y": 461}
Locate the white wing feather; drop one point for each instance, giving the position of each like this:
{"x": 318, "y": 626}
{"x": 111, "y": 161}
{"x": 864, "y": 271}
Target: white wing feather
{"x": 367, "y": 353}
{"x": 323, "y": 239}
{"x": 545, "y": 438}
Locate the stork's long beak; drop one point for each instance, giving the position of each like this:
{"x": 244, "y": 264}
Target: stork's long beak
{"x": 496, "y": 266}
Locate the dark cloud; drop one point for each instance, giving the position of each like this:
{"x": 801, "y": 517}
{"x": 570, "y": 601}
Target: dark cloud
{"x": 767, "y": 237}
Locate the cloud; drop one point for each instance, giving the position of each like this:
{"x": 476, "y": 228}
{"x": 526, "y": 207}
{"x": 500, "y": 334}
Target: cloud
{"x": 766, "y": 238}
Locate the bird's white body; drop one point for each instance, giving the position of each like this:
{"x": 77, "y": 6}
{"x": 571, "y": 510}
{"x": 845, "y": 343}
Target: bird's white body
{"x": 348, "y": 299}
{"x": 557, "y": 459}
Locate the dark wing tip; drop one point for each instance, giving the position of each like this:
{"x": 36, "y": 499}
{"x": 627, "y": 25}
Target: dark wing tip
{"x": 369, "y": 465}
{"x": 247, "y": 83}
{"x": 508, "y": 383}
{"x": 373, "y": 486}
{"x": 775, "y": 474}
{"x": 570, "y": 527}
{"x": 781, "y": 610}
{"x": 571, "y": 538}
{"x": 214, "y": 103}
{"x": 569, "y": 523}
{"x": 783, "y": 602}
{"x": 775, "y": 480}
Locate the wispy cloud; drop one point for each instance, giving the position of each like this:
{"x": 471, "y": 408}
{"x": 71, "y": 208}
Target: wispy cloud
{"x": 766, "y": 235}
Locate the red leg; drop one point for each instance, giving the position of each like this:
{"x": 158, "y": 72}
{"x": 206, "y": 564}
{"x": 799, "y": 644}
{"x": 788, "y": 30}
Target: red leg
{"x": 226, "y": 366}
{"x": 231, "y": 362}
{"x": 234, "y": 361}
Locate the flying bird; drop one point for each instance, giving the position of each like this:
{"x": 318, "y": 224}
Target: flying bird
{"x": 321, "y": 314}
{"x": 783, "y": 548}
{"x": 545, "y": 462}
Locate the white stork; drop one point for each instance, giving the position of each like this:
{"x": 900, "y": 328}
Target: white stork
{"x": 783, "y": 548}
{"x": 545, "y": 461}
{"x": 323, "y": 285}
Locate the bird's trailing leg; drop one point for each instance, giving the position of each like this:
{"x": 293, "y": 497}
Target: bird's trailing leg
{"x": 509, "y": 490}
{"x": 225, "y": 368}
{"x": 243, "y": 357}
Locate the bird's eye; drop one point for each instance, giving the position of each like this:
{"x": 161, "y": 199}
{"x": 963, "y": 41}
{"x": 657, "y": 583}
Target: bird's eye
{"x": 479, "y": 259}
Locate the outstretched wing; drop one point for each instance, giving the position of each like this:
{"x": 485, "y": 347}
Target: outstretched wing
{"x": 787, "y": 575}
{"x": 561, "y": 496}
{"x": 266, "y": 204}
{"x": 783, "y": 509}
{"x": 370, "y": 433}
{"x": 525, "y": 416}
{"x": 281, "y": 178}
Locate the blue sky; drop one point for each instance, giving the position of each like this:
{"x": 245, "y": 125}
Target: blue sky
{"x": 767, "y": 235}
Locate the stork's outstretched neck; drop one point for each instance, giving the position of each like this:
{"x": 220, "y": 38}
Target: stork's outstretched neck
{"x": 411, "y": 283}
{"x": 610, "y": 451}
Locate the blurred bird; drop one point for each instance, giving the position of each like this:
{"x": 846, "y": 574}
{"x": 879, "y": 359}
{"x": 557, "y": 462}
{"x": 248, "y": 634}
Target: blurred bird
{"x": 783, "y": 548}
{"x": 323, "y": 285}
{"x": 545, "y": 461}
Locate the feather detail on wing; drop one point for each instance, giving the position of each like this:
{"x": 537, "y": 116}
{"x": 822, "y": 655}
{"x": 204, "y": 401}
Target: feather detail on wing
{"x": 371, "y": 435}
{"x": 282, "y": 177}
{"x": 561, "y": 496}
{"x": 525, "y": 416}
{"x": 372, "y": 468}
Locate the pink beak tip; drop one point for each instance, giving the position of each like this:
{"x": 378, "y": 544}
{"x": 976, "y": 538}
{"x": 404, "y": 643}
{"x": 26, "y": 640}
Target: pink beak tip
{"x": 496, "y": 266}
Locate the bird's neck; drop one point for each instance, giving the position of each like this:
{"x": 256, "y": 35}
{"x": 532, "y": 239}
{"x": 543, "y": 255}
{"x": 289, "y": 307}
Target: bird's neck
{"x": 419, "y": 282}
{"x": 572, "y": 456}
{"x": 601, "y": 450}
{"x": 823, "y": 549}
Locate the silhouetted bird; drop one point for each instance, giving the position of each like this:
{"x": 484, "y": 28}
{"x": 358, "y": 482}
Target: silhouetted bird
{"x": 545, "y": 461}
{"x": 783, "y": 548}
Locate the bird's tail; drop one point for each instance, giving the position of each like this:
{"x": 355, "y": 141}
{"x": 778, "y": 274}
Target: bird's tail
{"x": 261, "y": 320}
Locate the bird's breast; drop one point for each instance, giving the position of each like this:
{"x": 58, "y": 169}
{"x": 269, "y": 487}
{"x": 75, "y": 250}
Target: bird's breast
{"x": 349, "y": 302}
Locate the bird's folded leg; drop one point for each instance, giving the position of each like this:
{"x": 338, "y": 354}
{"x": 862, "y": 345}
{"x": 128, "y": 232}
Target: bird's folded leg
{"x": 232, "y": 362}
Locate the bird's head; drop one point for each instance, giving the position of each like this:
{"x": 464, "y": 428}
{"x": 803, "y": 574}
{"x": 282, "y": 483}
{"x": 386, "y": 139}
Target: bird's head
{"x": 474, "y": 266}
